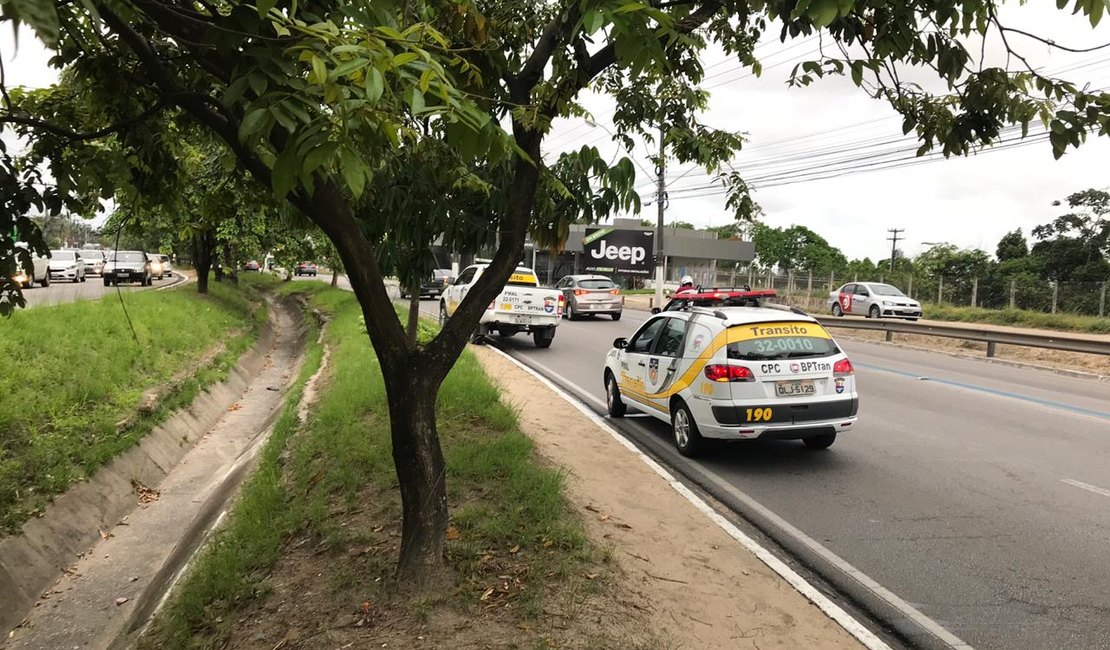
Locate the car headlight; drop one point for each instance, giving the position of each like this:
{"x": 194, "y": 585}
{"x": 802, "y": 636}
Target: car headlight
{"x": 887, "y": 303}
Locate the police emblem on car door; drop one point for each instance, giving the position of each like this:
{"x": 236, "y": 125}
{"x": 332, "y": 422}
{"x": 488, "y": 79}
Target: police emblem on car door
{"x": 653, "y": 371}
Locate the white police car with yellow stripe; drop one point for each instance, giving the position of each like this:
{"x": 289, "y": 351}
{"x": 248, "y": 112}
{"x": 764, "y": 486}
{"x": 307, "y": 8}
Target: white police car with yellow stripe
{"x": 734, "y": 373}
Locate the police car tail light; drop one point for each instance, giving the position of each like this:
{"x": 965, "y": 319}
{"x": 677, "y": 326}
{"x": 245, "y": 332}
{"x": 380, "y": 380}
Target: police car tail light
{"x": 842, "y": 368}
{"x": 723, "y": 373}
{"x": 562, "y": 303}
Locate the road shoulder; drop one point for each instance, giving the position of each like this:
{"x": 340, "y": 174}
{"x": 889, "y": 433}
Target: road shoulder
{"x": 695, "y": 581}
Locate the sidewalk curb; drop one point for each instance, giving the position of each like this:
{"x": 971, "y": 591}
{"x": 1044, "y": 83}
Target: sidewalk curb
{"x": 37, "y": 557}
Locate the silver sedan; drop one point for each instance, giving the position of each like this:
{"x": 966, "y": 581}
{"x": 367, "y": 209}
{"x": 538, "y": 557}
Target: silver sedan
{"x": 590, "y": 294}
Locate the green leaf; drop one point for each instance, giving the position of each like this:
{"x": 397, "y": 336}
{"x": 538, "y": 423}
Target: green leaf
{"x": 285, "y": 172}
{"x": 347, "y": 68}
{"x": 403, "y": 58}
{"x": 319, "y": 70}
{"x": 857, "y": 72}
{"x": 417, "y": 101}
{"x": 846, "y": 7}
{"x": 823, "y": 12}
{"x": 354, "y": 171}
{"x": 264, "y": 7}
{"x": 375, "y": 85}
{"x": 593, "y": 21}
{"x": 41, "y": 15}
{"x": 318, "y": 156}
{"x": 252, "y": 123}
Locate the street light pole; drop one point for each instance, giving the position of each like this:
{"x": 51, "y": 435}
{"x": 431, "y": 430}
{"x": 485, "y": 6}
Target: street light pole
{"x": 660, "y": 200}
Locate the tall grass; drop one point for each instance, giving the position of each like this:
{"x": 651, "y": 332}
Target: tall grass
{"x": 73, "y": 372}
{"x": 501, "y": 497}
{"x": 1019, "y": 318}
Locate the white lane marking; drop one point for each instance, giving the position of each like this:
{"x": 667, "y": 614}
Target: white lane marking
{"x": 1086, "y": 486}
{"x": 831, "y": 609}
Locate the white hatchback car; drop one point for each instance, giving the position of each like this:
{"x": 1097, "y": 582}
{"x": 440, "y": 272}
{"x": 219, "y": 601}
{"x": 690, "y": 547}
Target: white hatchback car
{"x": 734, "y": 373}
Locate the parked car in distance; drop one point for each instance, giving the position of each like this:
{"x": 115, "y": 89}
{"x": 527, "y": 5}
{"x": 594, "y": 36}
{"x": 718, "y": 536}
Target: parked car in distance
{"x": 305, "y": 268}
{"x": 873, "y": 300}
{"x": 590, "y": 294}
{"x": 94, "y": 261}
{"x": 433, "y": 285}
{"x": 67, "y": 265}
{"x": 39, "y": 271}
{"x": 156, "y": 270}
{"x": 127, "y": 266}
{"x": 167, "y": 265}
{"x": 252, "y": 266}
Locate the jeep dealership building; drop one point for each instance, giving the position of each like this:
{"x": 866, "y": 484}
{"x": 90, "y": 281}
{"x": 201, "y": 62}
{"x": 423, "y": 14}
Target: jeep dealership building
{"x": 626, "y": 250}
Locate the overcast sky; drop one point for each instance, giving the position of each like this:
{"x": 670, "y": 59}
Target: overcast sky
{"x": 831, "y": 127}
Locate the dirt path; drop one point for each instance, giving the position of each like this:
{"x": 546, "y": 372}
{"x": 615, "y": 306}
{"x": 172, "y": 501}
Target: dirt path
{"x": 701, "y": 589}
{"x": 119, "y": 581}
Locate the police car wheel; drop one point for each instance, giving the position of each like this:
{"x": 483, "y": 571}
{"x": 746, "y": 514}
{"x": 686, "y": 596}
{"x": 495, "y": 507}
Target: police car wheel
{"x": 837, "y": 311}
{"x": 820, "y": 442}
{"x": 874, "y": 312}
{"x": 687, "y": 439}
{"x": 613, "y": 400}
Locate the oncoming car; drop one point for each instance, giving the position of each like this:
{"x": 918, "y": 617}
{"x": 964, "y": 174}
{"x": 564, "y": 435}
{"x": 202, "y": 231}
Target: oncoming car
{"x": 734, "y": 373}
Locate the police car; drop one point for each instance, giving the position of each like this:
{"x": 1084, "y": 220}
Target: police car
{"x": 715, "y": 370}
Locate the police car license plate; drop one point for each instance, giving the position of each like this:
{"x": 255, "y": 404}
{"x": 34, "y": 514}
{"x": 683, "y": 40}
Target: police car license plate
{"x": 794, "y": 388}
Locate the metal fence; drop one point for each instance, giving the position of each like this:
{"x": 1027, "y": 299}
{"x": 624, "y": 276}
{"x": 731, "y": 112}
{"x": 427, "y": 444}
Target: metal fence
{"x": 811, "y": 291}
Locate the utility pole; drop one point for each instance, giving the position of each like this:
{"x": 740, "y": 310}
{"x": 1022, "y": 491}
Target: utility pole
{"x": 893, "y": 239}
{"x": 660, "y": 202}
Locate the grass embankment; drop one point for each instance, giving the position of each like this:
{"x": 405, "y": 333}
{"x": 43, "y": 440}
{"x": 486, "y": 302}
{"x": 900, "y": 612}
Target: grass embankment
{"x": 1018, "y": 318}
{"x": 324, "y": 502}
{"x": 74, "y": 377}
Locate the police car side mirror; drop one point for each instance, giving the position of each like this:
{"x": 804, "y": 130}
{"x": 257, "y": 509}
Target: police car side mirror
{"x": 655, "y": 310}
{"x": 450, "y": 280}
{"x": 620, "y": 343}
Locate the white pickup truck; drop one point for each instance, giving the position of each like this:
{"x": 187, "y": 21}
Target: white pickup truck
{"x": 522, "y": 306}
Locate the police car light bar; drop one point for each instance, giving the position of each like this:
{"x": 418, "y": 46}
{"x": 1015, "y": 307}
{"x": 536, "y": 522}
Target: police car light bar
{"x": 723, "y": 294}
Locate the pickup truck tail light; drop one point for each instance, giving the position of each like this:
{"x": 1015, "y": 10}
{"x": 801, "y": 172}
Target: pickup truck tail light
{"x": 562, "y": 303}
{"x": 725, "y": 373}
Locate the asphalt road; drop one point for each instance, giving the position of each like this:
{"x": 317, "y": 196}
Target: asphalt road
{"x": 978, "y": 493}
{"x": 59, "y": 292}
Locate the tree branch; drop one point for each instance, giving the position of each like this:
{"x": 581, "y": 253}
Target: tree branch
{"x": 607, "y": 55}
{"x": 520, "y": 86}
{"x": 78, "y": 137}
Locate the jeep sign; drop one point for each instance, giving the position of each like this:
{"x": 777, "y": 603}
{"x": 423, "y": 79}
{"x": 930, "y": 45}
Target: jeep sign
{"x": 609, "y": 250}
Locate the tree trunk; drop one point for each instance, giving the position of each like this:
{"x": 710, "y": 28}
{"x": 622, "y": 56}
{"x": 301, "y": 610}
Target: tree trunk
{"x": 334, "y": 278}
{"x": 202, "y": 259}
{"x": 229, "y": 261}
{"x": 414, "y": 314}
{"x": 421, "y": 473}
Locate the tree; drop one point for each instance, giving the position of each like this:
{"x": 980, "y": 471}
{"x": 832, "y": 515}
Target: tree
{"x": 314, "y": 99}
{"x": 682, "y": 225}
{"x": 1012, "y": 246}
{"x": 1075, "y": 246}
{"x": 796, "y": 248}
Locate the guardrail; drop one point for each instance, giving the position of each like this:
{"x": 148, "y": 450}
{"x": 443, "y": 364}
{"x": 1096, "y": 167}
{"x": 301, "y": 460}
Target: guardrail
{"x": 1053, "y": 341}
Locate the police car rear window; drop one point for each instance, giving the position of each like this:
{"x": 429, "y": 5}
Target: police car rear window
{"x": 760, "y": 341}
